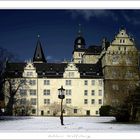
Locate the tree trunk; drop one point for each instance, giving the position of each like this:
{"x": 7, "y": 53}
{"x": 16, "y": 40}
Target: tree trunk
{"x": 9, "y": 107}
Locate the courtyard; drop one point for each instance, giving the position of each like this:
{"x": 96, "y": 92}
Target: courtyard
{"x": 71, "y": 124}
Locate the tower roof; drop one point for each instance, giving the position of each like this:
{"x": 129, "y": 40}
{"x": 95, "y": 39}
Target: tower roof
{"x": 79, "y": 43}
{"x": 39, "y": 55}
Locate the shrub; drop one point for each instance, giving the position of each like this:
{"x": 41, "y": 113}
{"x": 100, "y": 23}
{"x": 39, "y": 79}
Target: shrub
{"x": 105, "y": 110}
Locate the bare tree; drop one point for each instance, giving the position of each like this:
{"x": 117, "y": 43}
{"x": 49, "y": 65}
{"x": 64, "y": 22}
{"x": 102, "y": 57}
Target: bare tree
{"x": 4, "y": 57}
{"x": 11, "y": 88}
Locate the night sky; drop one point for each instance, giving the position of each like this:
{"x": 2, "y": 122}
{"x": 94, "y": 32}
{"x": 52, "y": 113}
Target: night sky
{"x": 59, "y": 28}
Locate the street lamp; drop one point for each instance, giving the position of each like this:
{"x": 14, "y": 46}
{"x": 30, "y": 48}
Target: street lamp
{"x": 61, "y": 96}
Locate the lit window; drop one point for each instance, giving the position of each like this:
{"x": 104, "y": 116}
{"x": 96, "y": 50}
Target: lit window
{"x": 100, "y": 101}
{"x": 46, "y": 82}
{"x": 68, "y": 92}
{"x": 92, "y": 101}
{"x": 33, "y": 101}
{"x": 68, "y": 82}
{"x": 46, "y": 92}
{"x": 85, "y": 101}
{"x": 92, "y": 92}
{"x": 93, "y": 82}
{"x": 68, "y": 101}
{"x": 100, "y": 92}
{"x": 85, "y": 92}
{"x": 32, "y": 82}
{"x": 85, "y": 82}
{"x": 32, "y": 92}
{"x": 46, "y": 101}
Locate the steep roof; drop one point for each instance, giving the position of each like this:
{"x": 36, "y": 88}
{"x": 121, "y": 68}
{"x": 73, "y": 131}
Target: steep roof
{"x": 39, "y": 55}
{"x": 54, "y": 70}
{"x": 93, "y": 50}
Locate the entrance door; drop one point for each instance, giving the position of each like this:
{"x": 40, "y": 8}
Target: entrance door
{"x": 42, "y": 112}
{"x": 88, "y": 112}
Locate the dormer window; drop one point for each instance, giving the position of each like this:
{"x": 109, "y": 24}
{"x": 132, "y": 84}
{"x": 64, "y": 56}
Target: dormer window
{"x": 29, "y": 73}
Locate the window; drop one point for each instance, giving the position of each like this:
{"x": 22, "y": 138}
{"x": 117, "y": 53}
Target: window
{"x": 85, "y": 82}
{"x": 120, "y": 40}
{"x": 33, "y": 101}
{"x": 100, "y": 92}
{"x": 23, "y": 81}
{"x": 92, "y": 101}
{"x": 29, "y": 73}
{"x": 85, "y": 101}
{"x": 23, "y": 92}
{"x": 71, "y": 74}
{"x": 46, "y": 101}
{"x": 32, "y": 92}
{"x": 23, "y": 101}
{"x": 115, "y": 59}
{"x": 46, "y": 82}
{"x": 68, "y": 82}
{"x": 68, "y": 101}
{"x": 75, "y": 111}
{"x": 85, "y": 92}
{"x": 129, "y": 74}
{"x": 115, "y": 87}
{"x": 123, "y": 40}
{"x": 48, "y": 112}
{"x": 46, "y": 92}
{"x": 32, "y": 82}
{"x": 100, "y": 101}
{"x": 97, "y": 112}
{"x": 68, "y": 92}
{"x": 93, "y": 82}
{"x": 124, "y": 48}
{"x": 92, "y": 92}
{"x": 114, "y": 74}
{"x": 33, "y": 111}
{"x": 119, "y": 48}
{"x": 100, "y": 82}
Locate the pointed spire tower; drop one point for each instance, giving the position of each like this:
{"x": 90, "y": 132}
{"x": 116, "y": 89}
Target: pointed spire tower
{"x": 39, "y": 55}
{"x": 79, "y": 47}
{"x": 79, "y": 43}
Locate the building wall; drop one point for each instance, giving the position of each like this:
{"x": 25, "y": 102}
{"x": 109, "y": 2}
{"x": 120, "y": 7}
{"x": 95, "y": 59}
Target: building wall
{"x": 77, "y": 56}
{"x": 120, "y": 68}
{"x": 90, "y": 59}
{"x": 42, "y": 93}
{"x": 77, "y": 96}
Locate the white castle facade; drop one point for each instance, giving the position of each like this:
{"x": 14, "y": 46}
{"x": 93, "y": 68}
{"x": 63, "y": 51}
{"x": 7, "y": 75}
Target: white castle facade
{"x": 90, "y": 79}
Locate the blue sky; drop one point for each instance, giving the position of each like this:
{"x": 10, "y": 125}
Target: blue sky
{"x": 58, "y": 29}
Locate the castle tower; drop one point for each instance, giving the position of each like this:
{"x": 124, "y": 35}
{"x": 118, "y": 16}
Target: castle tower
{"x": 120, "y": 68}
{"x": 39, "y": 55}
{"x": 79, "y": 47}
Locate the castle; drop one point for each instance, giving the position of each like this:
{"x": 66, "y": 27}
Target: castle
{"x": 96, "y": 76}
